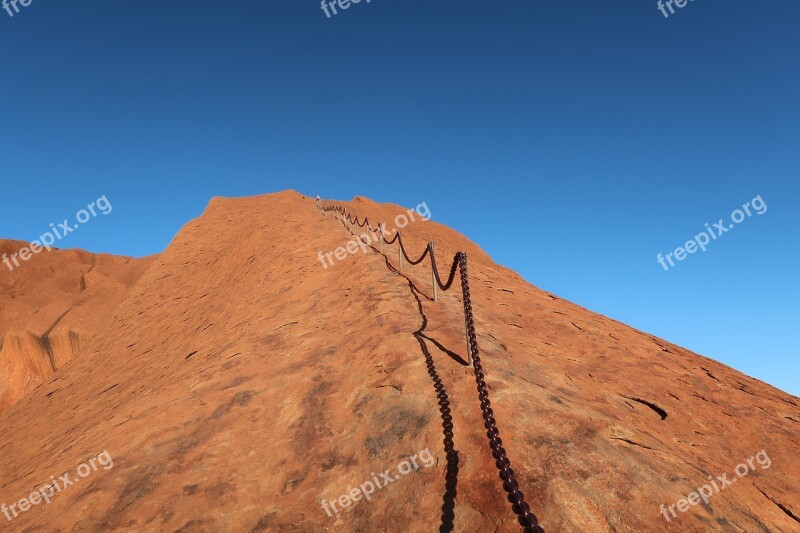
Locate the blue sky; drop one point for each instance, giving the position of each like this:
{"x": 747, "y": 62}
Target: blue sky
{"x": 573, "y": 141}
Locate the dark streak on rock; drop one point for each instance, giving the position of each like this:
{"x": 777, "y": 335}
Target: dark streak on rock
{"x": 782, "y": 507}
{"x": 263, "y": 523}
{"x": 712, "y": 376}
{"x": 634, "y": 443}
{"x": 661, "y": 412}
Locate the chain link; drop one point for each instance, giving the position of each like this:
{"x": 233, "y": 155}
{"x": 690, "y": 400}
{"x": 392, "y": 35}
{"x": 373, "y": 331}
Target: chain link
{"x": 520, "y": 507}
{"x": 526, "y": 518}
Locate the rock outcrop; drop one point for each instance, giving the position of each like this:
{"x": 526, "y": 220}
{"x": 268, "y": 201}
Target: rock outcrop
{"x": 49, "y": 306}
{"x": 243, "y": 386}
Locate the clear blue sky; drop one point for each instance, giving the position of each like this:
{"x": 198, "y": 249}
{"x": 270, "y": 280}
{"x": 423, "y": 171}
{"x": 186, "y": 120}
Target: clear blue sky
{"x": 574, "y": 141}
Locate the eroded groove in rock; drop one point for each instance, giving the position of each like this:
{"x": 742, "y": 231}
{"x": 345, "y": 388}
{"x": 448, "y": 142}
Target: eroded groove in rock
{"x": 781, "y": 506}
{"x": 661, "y": 412}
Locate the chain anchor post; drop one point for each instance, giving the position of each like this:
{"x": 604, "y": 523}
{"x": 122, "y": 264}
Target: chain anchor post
{"x": 433, "y": 274}
{"x": 400, "y": 251}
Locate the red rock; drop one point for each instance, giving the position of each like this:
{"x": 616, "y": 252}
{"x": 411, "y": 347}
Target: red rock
{"x": 240, "y": 383}
{"x": 50, "y": 306}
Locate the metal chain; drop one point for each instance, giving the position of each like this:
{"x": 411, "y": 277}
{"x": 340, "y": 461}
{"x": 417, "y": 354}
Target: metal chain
{"x": 418, "y": 261}
{"x": 528, "y": 520}
{"x": 520, "y": 507}
{"x": 450, "y": 278}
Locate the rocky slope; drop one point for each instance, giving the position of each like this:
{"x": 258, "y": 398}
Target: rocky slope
{"x": 50, "y": 306}
{"x": 241, "y": 384}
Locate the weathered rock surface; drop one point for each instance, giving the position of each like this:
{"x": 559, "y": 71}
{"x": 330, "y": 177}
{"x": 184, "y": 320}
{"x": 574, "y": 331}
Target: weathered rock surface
{"x": 49, "y": 306}
{"x": 240, "y": 383}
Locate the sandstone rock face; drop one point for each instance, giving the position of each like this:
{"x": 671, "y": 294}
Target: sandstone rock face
{"x": 49, "y": 305}
{"x": 240, "y": 384}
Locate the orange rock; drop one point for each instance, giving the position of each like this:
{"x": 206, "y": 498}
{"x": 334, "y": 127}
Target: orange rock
{"x": 240, "y": 384}
{"x": 49, "y": 306}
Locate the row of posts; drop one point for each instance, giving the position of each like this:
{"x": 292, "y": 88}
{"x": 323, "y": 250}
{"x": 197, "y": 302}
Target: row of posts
{"x": 353, "y": 231}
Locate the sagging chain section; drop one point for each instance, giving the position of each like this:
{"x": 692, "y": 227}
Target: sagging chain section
{"x": 526, "y": 518}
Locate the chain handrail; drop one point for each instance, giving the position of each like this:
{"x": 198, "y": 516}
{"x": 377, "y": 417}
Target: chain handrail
{"x": 450, "y": 278}
{"x": 526, "y": 518}
{"x": 403, "y": 249}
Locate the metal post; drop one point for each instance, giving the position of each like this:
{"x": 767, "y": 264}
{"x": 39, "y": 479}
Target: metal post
{"x": 433, "y": 275}
{"x": 399, "y": 252}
